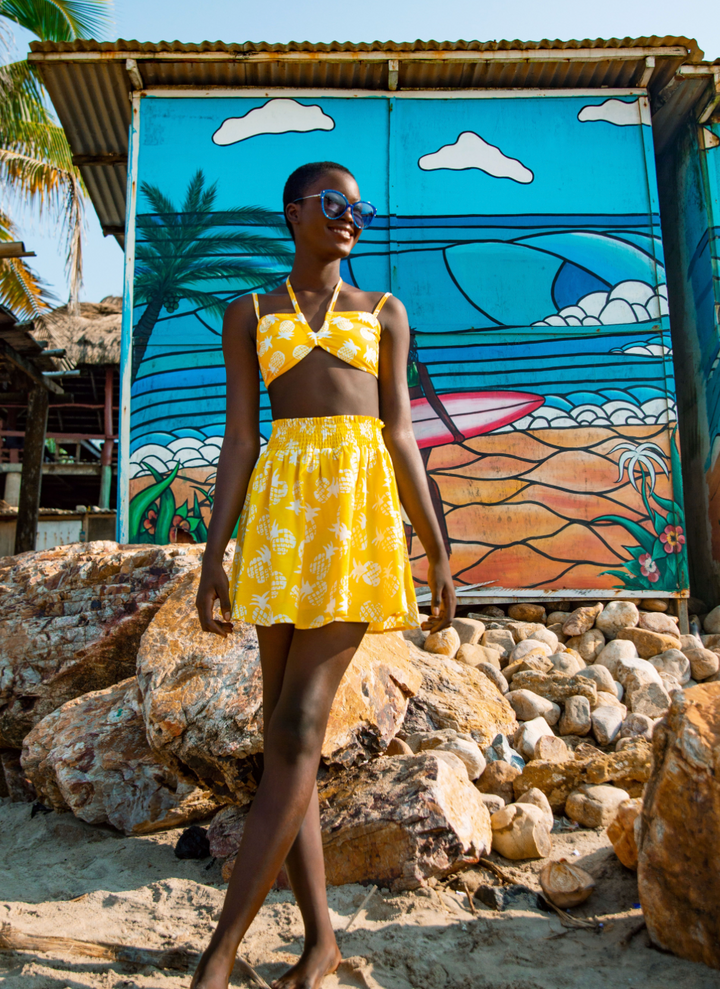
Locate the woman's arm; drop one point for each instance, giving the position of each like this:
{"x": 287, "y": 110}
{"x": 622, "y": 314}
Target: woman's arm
{"x": 240, "y": 448}
{"x": 409, "y": 468}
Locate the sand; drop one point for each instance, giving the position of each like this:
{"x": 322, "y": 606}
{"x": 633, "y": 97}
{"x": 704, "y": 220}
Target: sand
{"x": 65, "y": 878}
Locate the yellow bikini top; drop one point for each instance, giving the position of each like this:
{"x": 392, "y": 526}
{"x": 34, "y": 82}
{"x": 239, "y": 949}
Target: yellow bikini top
{"x": 283, "y": 339}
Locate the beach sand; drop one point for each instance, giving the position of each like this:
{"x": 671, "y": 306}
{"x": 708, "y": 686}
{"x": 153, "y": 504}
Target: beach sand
{"x": 61, "y": 877}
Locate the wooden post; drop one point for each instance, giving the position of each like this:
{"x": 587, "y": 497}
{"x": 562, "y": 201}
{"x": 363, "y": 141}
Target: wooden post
{"x": 107, "y": 450}
{"x": 28, "y": 509}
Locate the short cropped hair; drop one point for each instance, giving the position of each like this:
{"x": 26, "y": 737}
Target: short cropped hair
{"x": 303, "y": 177}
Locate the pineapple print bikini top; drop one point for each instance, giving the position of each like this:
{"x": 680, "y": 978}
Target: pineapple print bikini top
{"x": 282, "y": 339}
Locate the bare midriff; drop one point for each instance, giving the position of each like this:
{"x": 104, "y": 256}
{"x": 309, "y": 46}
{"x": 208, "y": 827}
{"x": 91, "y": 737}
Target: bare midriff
{"x": 324, "y": 385}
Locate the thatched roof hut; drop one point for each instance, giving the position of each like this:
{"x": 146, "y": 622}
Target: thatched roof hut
{"x": 91, "y": 336}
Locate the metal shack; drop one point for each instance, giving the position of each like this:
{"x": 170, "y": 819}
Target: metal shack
{"x": 518, "y": 220}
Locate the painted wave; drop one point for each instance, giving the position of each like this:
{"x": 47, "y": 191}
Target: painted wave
{"x": 627, "y": 302}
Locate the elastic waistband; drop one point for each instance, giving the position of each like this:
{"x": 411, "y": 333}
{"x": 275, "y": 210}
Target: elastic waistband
{"x": 323, "y": 431}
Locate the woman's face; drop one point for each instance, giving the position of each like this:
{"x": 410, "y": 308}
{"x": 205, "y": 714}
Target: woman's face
{"x": 313, "y": 231}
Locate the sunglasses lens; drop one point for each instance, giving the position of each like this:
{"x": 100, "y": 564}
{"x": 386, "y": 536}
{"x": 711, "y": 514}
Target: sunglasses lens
{"x": 363, "y": 214}
{"x": 334, "y": 204}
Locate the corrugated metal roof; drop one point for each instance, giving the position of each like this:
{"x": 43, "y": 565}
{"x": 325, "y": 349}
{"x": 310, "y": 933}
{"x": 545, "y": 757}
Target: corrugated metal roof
{"x": 90, "y": 85}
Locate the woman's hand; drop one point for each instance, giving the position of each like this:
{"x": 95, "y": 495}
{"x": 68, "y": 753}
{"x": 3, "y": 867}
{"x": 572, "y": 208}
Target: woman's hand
{"x": 441, "y": 584}
{"x": 214, "y": 587}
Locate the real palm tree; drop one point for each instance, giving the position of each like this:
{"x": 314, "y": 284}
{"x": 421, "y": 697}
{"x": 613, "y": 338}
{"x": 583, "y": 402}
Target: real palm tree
{"x": 180, "y": 251}
{"x": 35, "y": 158}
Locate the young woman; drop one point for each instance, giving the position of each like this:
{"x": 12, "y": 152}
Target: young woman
{"x": 321, "y": 556}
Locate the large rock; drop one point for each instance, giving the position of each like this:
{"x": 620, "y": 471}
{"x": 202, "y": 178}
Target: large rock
{"x": 674, "y": 662}
{"x": 595, "y": 806}
{"x": 555, "y": 687}
{"x": 520, "y": 831}
{"x": 576, "y": 718}
{"x": 607, "y": 720}
{"x": 581, "y": 620}
{"x": 657, "y": 622}
{"x": 446, "y": 642}
{"x": 527, "y": 612}
{"x": 500, "y": 639}
{"x": 616, "y": 616}
{"x": 651, "y": 699}
{"x": 474, "y": 654}
{"x": 616, "y": 652}
{"x": 648, "y": 643}
{"x": 469, "y": 630}
{"x": 558, "y": 780}
{"x": 72, "y": 618}
{"x": 498, "y": 780}
{"x": 91, "y": 756}
{"x": 601, "y": 677}
{"x": 678, "y": 864}
{"x": 529, "y": 735}
{"x": 394, "y": 822}
{"x": 202, "y": 698}
{"x": 528, "y": 705}
{"x": 711, "y": 622}
{"x": 704, "y": 663}
{"x": 454, "y": 695}
{"x": 588, "y": 644}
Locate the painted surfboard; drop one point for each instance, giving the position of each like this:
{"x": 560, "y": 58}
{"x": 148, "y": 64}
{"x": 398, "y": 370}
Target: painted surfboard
{"x": 472, "y": 412}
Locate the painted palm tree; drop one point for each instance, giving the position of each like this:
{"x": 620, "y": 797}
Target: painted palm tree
{"x": 183, "y": 254}
{"x": 35, "y": 158}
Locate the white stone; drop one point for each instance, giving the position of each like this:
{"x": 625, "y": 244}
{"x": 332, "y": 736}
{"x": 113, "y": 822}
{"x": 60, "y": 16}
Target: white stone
{"x": 588, "y": 644}
{"x": 522, "y": 649}
{"x": 607, "y": 720}
{"x": 711, "y": 624}
{"x": 566, "y": 662}
{"x": 520, "y": 832}
{"x": 469, "y": 752}
{"x": 619, "y": 690}
{"x": 607, "y": 699}
{"x": 547, "y": 636}
{"x": 576, "y": 718}
{"x": 615, "y": 616}
{"x": 637, "y": 725}
{"x": 469, "y": 630}
{"x": 703, "y": 663}
{"x": 538, "y": 799}
{"x": 528, "y": 705}
{"x": 670, "y": 683}
{"x": 601, "y": 676}
{"x": 500, "y": 639}
{"x": 529, "y": 734}
{"x": 613, "y": 652}
{"x": 651, "y": 699}
{"x": 674, "y": 662}
{"x": 691, "y": 642}
{"x": 595, "y": 806}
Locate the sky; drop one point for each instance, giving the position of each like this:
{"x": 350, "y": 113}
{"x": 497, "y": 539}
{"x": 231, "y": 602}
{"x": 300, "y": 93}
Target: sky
{"x": 404, "y": 20}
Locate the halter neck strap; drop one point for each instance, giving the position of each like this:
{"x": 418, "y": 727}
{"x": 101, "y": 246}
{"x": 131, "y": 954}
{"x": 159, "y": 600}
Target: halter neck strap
{"x": 297, "y": 308}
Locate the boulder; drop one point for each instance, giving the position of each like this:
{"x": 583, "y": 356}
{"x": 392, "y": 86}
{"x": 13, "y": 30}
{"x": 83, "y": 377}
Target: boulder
{"x": 453, "y": 695}
{"x": 558, "y": 780}
{"x": 704, "y": 663}
{"x": 546, "y": 635}
{"x": 469, "y": 630}
{"x": 534, "y": 660}
{"x": 527, "y": 706}
{"x": 492, "y": 802}
{"x": 605, "y": 698}
{"x": 72, "y": 618}
{"x": 556, "y": 687}
{"x": 576, "y": 718}
{"x": 594, "y": 806}
{"x": 520, "y": 831}
{"x": 617, "y": 616}
{"x": 566, "y": 662}
{"x": 637, "y": 726}
{"x": 527, "y": 612}
{"x": 674, "y": 662}
{"x": 529, "y": 734}
{"x": 494, "y": 676}
{"x": 678, "y": 864}
{"x": 473, "y": 655}
{"x": 656, "y": 621}
{"x": 601, "y": 677}
{"x": 525, "y": 630}
{"x": 550, "y": 748}
{"x": 538, "y": 799}
{"x": 91, "y": 757}
{"x": 588, "y": 644}
{"x": 651, "y": 699}
{"x": 648, "y": 643}
{"x": 621, "y": 832}
{"x": 446, "y": 642}
{"x": 607, "y": 720}
{"x": 581, "y": 620}
{"x": 711, "y": 622}
{"x": 498, "y": 780}
{"x": 500, "y": 639}
{"x": 654, "y": 604}
{"x": 202, "y": 698}
{"x": 468, "y": 752}
{"x": 528, "y": 646}
{"x": 614, "y": 652}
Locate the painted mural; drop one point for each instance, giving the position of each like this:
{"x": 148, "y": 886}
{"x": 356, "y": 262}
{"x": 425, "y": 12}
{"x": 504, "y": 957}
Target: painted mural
{"x": 523, "y": 236}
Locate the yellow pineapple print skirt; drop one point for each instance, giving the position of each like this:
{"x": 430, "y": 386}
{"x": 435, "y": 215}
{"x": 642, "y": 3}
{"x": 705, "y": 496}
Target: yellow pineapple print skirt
{"x": 321, "y": 535}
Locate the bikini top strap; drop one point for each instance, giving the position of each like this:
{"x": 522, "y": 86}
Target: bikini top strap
{"x": 381, "y": 303}
{"x": 334, "y": 298}
{"x": 294, "y": 301}
{"x": 256, "y": 304}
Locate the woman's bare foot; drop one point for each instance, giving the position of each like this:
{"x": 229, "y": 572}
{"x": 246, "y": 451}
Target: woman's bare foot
{"x": 316, "y": 961}
{"x": 213, "y": 972}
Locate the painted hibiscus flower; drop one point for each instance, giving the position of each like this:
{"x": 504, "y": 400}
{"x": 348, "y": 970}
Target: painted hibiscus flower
{"x": 151, "y": 521}
{"x": 648, "y": 568}
{"x": 672, "y": 539}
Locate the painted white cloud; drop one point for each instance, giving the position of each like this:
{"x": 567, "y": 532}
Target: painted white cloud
{"x": 280, "y": 116}
{"x": 471, "y": 151}
{"x": 616, "y": 112}
{"x": 604, "y": 413}
{"x": 628, "y": 302}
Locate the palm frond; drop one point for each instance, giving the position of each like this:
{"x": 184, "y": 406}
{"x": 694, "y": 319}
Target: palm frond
{"x": 21, "y": 290}
{"x": 60, "y": 20}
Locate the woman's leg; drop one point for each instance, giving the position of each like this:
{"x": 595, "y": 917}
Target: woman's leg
{"x": 305, "y": 865}
{"x": 316, "y": 662}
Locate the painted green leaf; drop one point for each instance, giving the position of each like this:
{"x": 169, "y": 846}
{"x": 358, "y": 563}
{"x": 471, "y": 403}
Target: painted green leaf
{"x": 165, "y": 517}
{"x": 144, "y": 499}
{"x": 641, "y": 535}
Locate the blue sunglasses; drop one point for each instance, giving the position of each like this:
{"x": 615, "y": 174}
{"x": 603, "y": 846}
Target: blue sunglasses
{"x": 335, "y": 204}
